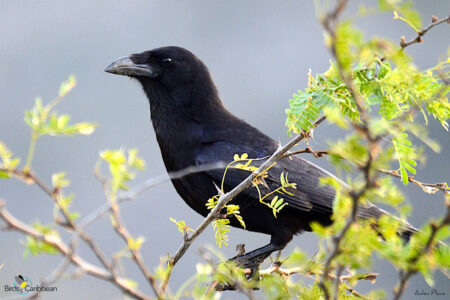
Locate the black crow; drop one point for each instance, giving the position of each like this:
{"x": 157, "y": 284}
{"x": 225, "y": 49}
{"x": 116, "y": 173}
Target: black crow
{"x": 193, "y": 128}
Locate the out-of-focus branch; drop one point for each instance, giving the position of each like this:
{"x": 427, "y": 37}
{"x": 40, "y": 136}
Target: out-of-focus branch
{"x": 330, "y": 23}
{"x": 405, "y": 275}
{"x": 152, "y": 182}
{"x": 122, "y": 231}
{"x": 14, "y": 224}
{"x": 429, "y": 188}
{"x": 78, "y": 229}
{"x": 140, "y": 188}
{"x": 59, "y": 271}
{"x": 69, "y": 223}
{"x": 418, "y": 39}
{"x": 136, "y": 255}
{"x": 29, "y": 177}
{"x": 227, "y": 197}
{"x": 315, "y": 153}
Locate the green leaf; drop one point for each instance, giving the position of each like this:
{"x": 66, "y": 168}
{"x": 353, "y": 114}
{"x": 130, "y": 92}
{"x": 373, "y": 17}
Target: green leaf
{"x": 74, "y": 215}
{"x": 6, "y": 160}
{"x": 4, "y": 174}
{"x": 221, "y": 227}
{"x": 67, "y": 86}
{"x": 135, "y": 244}
{"x": 134, "y": 161}
{"x": 85, "y": 128}
{"x": 59, "y": 180}
{"x": 36, "y": 246}
{"x": 182, "y": 227}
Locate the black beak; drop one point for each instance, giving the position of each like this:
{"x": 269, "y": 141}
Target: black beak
{"x": 125, "y": 66}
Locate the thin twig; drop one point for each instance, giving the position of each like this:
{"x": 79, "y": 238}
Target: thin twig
{"x": 135, "y": 253}
{"x": 132, "y": 194}
{"x": 418, "y": 39}
{"x": 55, "y": 195}
{"x": 56, "y": 274}
{"x": 315, "y": 153}
{"x": 429, "y": 188}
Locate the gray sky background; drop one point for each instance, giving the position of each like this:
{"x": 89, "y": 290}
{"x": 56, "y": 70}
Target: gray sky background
{"x": 258, "y": 52}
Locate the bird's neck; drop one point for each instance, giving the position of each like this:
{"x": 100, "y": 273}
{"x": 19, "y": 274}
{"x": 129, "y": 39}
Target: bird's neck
{"x": 179, "y": 127}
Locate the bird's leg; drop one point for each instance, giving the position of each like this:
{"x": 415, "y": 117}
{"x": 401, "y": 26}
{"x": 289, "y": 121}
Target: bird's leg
{"x": 253, "y": 259}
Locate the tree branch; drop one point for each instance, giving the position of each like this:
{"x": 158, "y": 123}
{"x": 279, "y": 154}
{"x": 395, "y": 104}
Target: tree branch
{"x": 315, "y": 153}
{"x": 29, "y": 177}
{"x": 405, "y": 275}
{"x": 418, "y": 39}
{"x": 136, "y": 255}
{"x": 330, "y": 23}
{"x": 61, "y": 247}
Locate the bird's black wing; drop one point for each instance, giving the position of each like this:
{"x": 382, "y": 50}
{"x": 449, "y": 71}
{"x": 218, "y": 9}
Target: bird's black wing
{"x": 309, "y": 195}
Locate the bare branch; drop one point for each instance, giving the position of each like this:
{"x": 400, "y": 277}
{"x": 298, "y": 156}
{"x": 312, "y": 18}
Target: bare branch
{"x": 429, "y": 188}
{"x": 136, "y": 255}
{"x": 140, "y": 188}
{"x": 315, "y": 153}
{"x": 418, "y": 39}
{"x": 55, "y": 194}
{"x": 65, "y": 250}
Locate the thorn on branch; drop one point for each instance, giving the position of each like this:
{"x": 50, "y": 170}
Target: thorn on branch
{"x": 240, "y": 248}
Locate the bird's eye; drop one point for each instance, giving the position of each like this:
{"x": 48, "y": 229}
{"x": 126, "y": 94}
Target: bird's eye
{"x": 166, "y": 62}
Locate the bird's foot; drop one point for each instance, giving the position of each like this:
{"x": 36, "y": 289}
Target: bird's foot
{"x": 249, "y": 262}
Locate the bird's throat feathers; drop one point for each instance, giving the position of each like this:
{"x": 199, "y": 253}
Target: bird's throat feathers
{"x": 190, "y": 103}
{"x": 185, "y": 109}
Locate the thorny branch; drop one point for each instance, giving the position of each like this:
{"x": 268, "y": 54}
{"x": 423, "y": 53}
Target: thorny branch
{"x": 315, "y": 153}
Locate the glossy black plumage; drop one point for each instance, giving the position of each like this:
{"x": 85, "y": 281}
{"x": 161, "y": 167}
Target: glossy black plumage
{"x": 193, "y": 128}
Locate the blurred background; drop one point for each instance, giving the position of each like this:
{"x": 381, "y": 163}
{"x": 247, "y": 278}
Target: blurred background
{"x": 258, "y": 52}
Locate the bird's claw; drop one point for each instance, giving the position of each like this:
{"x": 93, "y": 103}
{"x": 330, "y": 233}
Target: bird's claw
{"x": 250, "y": 266}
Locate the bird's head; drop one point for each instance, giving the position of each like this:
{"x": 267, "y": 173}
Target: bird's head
{"x": 169, "y": 66}
{"x": 169, "y": 74}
